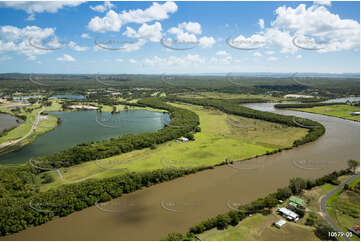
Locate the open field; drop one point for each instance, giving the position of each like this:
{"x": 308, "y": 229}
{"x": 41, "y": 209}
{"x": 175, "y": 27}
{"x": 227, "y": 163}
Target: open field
{"x": 240, "y": 138}
{"x": 259, "y": 227}
{"x": 339, "y": 111}
{"x": 344, "y": 208}
{"x": 221, "y": 95}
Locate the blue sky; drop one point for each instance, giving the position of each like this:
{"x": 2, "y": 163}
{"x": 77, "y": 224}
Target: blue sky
{"x": 179, "y": 37}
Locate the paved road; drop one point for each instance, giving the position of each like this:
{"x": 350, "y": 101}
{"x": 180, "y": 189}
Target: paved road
{"x": 325, "y": 199}
{"x": 33, "y": 127}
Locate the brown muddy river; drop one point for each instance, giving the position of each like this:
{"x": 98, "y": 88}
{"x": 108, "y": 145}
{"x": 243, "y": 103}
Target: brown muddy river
{"x": 153, "y": 212}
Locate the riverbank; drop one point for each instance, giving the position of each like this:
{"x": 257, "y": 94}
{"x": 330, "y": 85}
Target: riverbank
{"x": 34, "y": 125}
{"x": 340, "y": 111}
{"x": 240, "y": 139}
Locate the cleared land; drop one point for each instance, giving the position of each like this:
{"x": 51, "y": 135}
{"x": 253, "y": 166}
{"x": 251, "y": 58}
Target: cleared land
{"x": 344, "y": 208}
{"x": 259, "y": 227}
{"x": 339, "y": 111}
{"x": 240, "y": 138}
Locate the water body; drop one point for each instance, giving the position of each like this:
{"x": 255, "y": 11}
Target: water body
{"x": 344, "y": 99}
{"x": 69, "y": 96}
{"x": 8, "y": 121}
{"x": 174, "y": 206}
{"x": 84, "y": 126}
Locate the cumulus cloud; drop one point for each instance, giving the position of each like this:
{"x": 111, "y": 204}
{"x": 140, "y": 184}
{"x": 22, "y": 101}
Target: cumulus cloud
{"x": 206, "y": 42}
{"x": 102, "y": 8}
{"x": 21, "y": 40}
{"x": 261, "y": 23}
{"x": 323, "y": 2}
{"x": 66, "y": 58}
{"x": 152, "y": 32}
{"x": 76, "y": 47}
{"x": 222, "y": 53}
{"x": 298, "y": 57}
{"x": 113, "y": 21}
{"x": 39, "y": 7}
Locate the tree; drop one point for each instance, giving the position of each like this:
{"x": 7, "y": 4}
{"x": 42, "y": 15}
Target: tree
{"x": 222, "y": 221}
{"x": 297, "y": 185}
{"x": 353, "y": 164}
{"x": 174, "y": 237}
{"x": 322, "y": 231}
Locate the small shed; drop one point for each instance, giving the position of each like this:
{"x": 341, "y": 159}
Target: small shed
{"x": 280, "y": 223}
{"x": 298, "y": 201}
{"x": 183, "y": 139}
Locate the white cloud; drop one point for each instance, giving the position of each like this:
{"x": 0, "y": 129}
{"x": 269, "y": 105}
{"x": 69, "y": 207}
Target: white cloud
{"x": 192, "y": 27}
{"x": 261, "y": 23}
{"x": 206, "y": 42}
{"x": 114, "y": 21}
{"x": 133, "y": 61}
{"x": 13, "y": 39}
{"x": 76, "y": 47}
{"x": 102, "y": 8}
{"x": 298, "y": 57}
{"x": 111, "y": 22}
{"x": 151, "y": 32}
{"x": 317, "y": 21}
{"x": 257, "y": 54}
{"x": 39, "y": 6}
{"x": 67, "y": 58}
{"x": 322, "y": 2}
{"x": 85, "y": 36}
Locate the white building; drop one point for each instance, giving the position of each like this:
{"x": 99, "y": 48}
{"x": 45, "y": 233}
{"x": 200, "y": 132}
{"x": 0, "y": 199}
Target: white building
{"x": 183, "y": 139}
{"x": 280, "y": 223}
{"x": 288, "y": 214}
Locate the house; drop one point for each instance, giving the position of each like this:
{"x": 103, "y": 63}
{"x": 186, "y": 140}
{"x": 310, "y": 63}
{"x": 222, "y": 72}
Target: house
{"x": 280, "y": 223}
{"x": 297, "y": 202}
{"x": 288, "y": 214}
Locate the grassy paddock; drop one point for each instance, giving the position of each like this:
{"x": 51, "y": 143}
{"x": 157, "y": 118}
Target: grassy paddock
{"x": 240, "y": 138}
{"x": 339, "y": 111}
{"x": 259, "y": 227}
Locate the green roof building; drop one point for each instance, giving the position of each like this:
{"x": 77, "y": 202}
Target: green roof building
{"x": 298, "y": 201}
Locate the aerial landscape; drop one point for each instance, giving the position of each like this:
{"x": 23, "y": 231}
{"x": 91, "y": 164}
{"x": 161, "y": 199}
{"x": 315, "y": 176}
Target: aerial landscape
{"x": 179, "y": 121}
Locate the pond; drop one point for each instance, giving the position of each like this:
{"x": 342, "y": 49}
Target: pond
{"x": 8, "y": 121}
{"x": 85, "y": 126}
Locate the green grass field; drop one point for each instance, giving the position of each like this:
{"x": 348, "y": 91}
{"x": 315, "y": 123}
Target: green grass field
{"x": 221, "y": 95}
{"x": 240, "y": 138}
{"x": 339, "y": 111}
{"x": 259, "y": 227}
{"x": 344, "y": 209}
